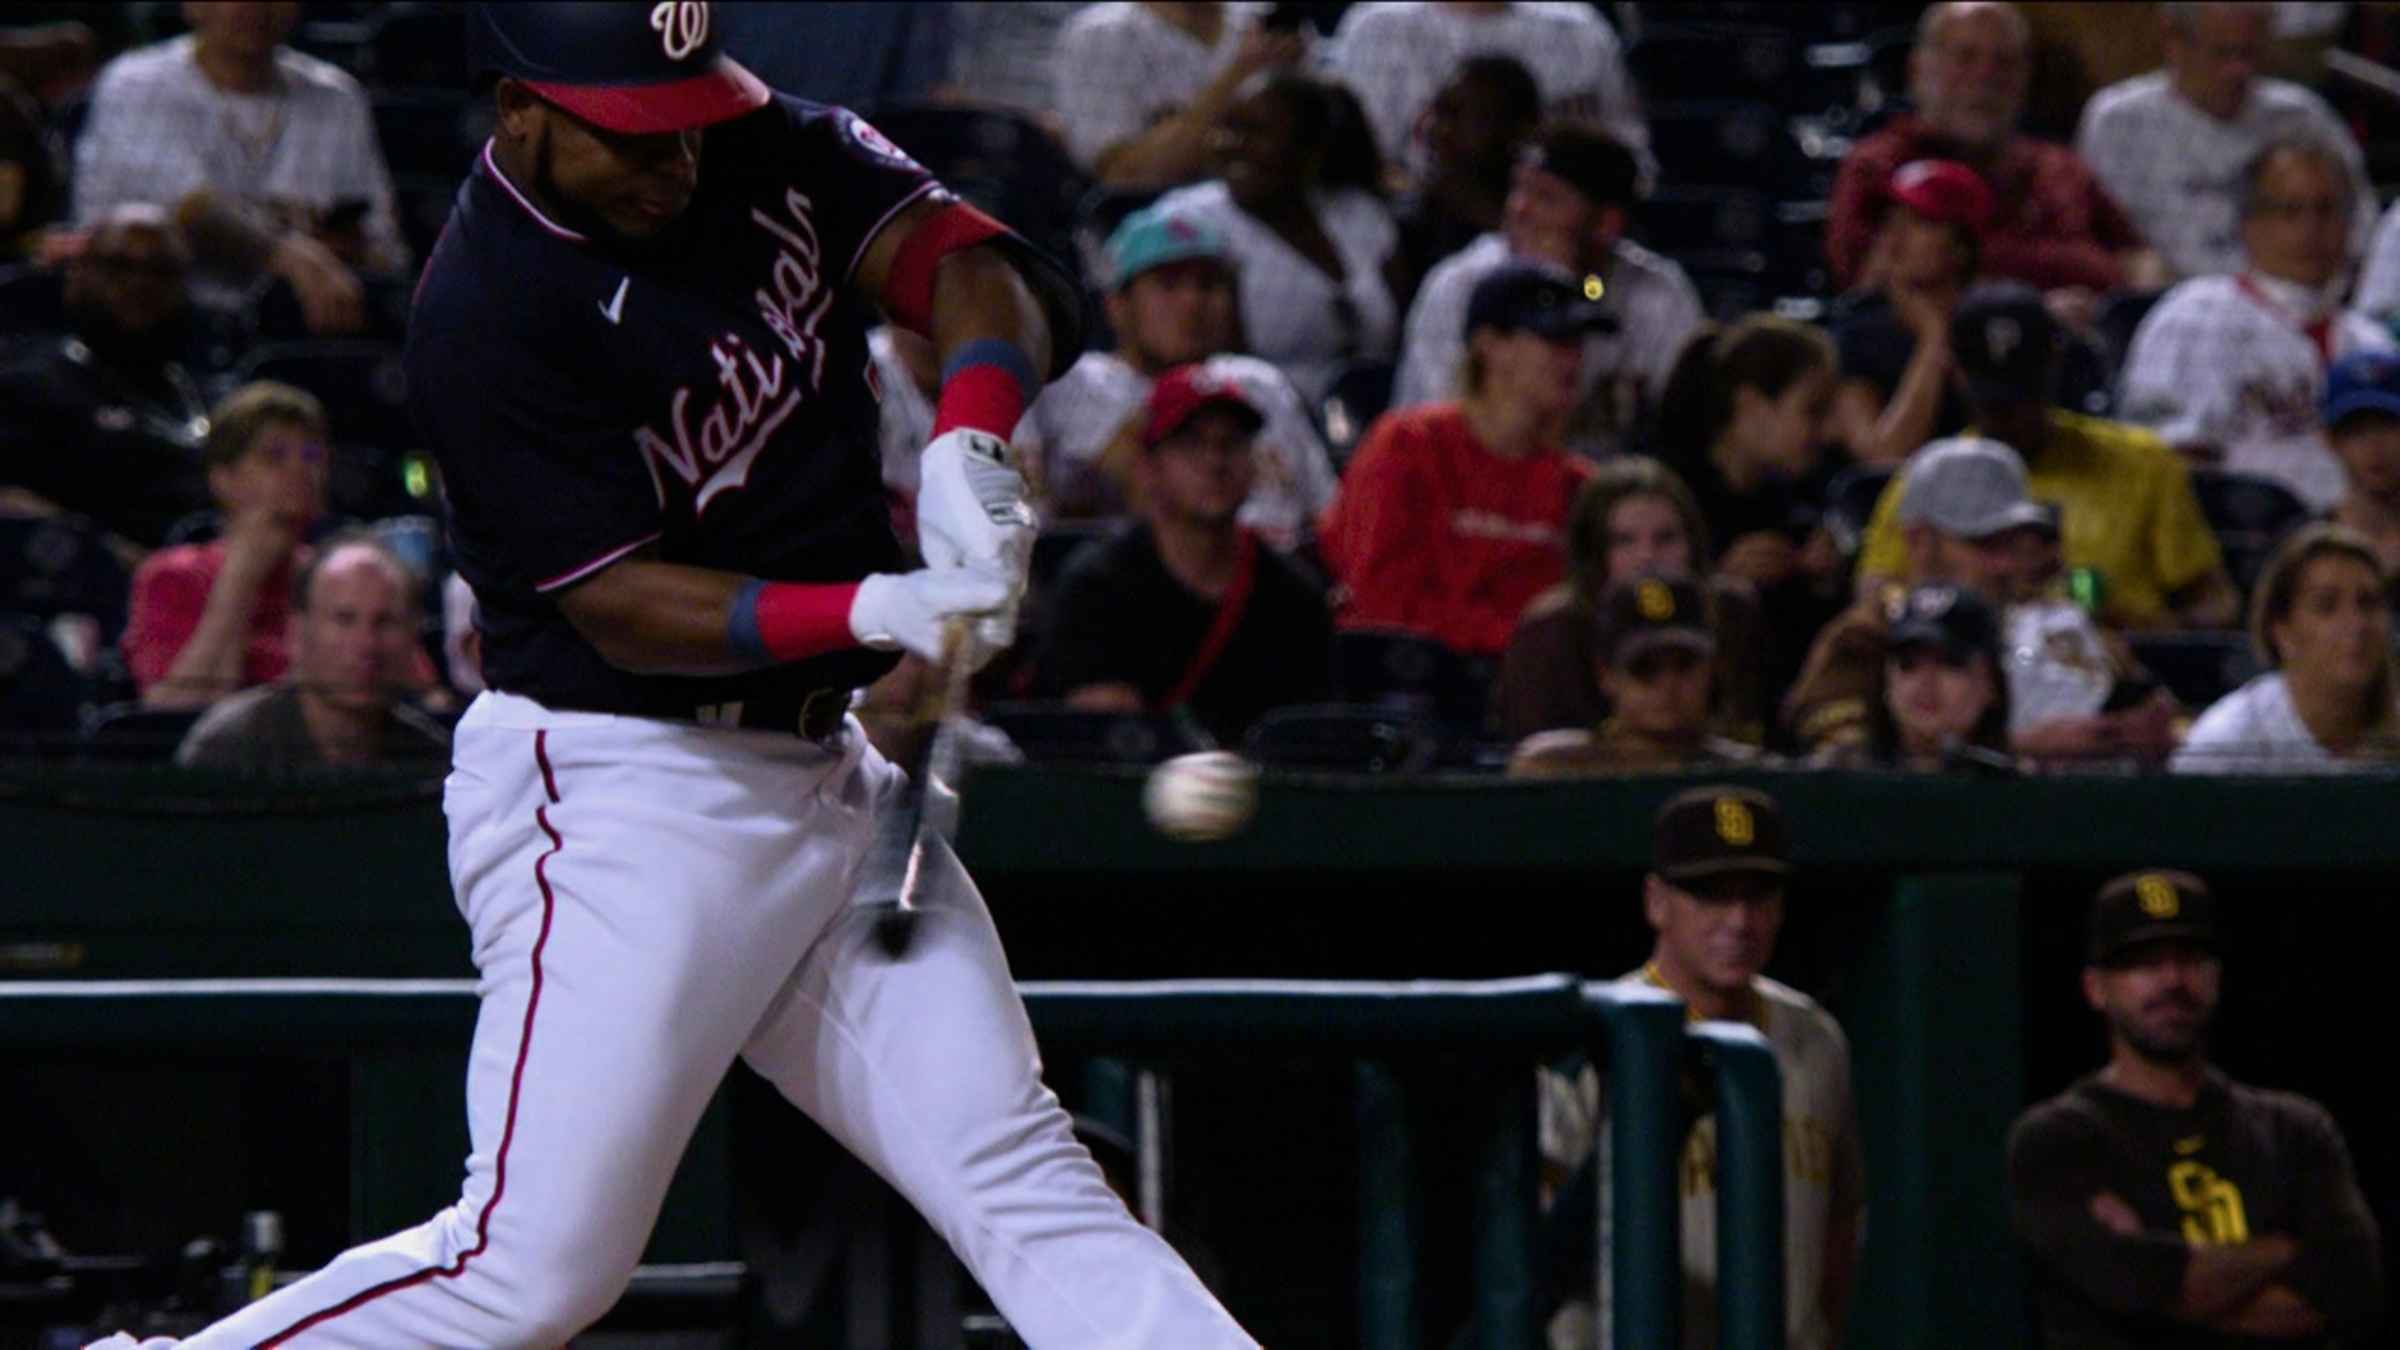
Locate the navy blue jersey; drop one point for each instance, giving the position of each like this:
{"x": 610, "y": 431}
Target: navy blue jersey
{"x": 709, "y": 403}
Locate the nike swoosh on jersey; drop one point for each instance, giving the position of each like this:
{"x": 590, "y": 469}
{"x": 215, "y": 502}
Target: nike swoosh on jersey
{"x": 616, "y": 303}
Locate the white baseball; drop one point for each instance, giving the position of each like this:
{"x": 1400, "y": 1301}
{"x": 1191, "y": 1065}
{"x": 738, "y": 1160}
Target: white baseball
{"x": 1201, "y": 797}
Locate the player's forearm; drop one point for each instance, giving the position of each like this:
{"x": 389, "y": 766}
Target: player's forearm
{"x": 978, "y": 294}
{"x": 657, "y": 618}
{"x": 2218, "y": 1280}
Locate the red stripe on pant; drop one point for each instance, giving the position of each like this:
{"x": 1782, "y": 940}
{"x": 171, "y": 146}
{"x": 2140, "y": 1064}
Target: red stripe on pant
{"x": 516, "y": 1083}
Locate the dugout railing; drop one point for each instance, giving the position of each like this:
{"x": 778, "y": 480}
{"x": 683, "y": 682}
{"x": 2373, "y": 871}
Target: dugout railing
{"x": 392, "y": 1031}
{"x": 1940, "y": 919}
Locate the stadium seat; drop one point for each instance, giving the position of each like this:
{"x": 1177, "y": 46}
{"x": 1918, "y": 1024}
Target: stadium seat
{"x": 1850, "y": 503}
{"x": 2119, "y": 315}
{"x": 1410, "y": 673}
{"x": 41, "y": 696}
{"x": 1342, "y": 737}
{"x": 433, "y": 132}
{"x": 1680, "y": 220}
{"x": 2249, "y": 514}
{"x": 1053, "y": 733}
{"x": 2198, "y": 668}
{"x": 61, "y": 565}
{"x": 131, "y": 733}
{"x": 1361, "y": 393}
{"x": 419, "y": 46}
{"x": 1732, "y": 143}
{"x": 360, "y": 382}
{"x": 422, "y": 201}
{"x": 1681, "y": 61}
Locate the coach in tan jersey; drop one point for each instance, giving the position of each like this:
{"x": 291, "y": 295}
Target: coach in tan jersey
{"x": 1719, "y": 858}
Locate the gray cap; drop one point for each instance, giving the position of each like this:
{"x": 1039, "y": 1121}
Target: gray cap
{"x": 1971, "y": 487}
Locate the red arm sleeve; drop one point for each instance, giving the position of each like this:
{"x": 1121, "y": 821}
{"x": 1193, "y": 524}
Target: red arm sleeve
{"x": 163, "y": 614}
{"x": 1375, "y": 536}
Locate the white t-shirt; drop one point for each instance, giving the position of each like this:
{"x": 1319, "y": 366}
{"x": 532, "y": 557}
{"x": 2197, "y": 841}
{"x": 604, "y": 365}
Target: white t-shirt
{"x": 1397, "y": 57}
{"x": 2177, "y": 171}
{"x": 1656, "y": 305}
{"x": 2379, "y": 281}
{"x": 158, "y": 130}
{"x": 2228, "y": 362}
{"x": 2255, "y": 729}
{"x": 2057, "y": 664}
{"x": 1823, "y": 1168}
{"x": 1291, "y": 310}
{"x": 1074, "y": 420}
{"x": 1119, "y": 68}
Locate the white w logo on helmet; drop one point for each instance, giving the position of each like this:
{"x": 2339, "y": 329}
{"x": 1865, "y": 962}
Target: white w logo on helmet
{"x": 682, "y": 26}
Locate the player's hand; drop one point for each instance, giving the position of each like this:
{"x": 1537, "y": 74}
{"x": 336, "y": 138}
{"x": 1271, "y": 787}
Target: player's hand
{"x": 972, "y": 509}
{"x": 331, "y": 298}
{"x": 906, "y": 610}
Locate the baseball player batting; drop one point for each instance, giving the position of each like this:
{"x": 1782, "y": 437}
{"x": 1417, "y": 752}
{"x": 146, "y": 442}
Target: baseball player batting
{"x": 639, "y": 354}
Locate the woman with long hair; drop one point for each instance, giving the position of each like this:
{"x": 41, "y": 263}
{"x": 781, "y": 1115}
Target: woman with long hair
{"x": 2321, "y": 622}
{"x": 1633, "y": 516}
{"x": 1941, "y": 702}
{"x": 1315, "y": 247}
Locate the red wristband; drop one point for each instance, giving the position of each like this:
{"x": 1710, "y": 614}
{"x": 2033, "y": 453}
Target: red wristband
{"x": 982, "y": 398}
{"x": 792, "y": 621}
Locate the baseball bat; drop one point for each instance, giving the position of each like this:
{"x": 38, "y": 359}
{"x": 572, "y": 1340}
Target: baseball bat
{"x": 926, "y": 813}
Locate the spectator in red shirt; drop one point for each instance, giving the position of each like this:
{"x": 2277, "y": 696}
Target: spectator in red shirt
{"x": 210, "y": 619}
{"x": 2055, "y": 226}
{"x": 1452, "y": 516}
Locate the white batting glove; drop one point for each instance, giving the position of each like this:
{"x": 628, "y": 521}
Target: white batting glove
{"x": 971, "y": 507}
{"x": 906, "y": 610}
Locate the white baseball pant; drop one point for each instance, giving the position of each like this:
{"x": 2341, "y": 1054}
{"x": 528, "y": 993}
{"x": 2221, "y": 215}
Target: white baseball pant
{"x": 649, "y": 900}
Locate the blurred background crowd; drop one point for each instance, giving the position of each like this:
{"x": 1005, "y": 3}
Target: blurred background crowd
{"x": 1538, "y": 388}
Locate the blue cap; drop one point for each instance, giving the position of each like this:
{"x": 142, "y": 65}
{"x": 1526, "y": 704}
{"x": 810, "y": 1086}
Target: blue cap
{"x": 1527, "y": 297}
{"x": 2361, "y": 382}
{"x": 1154, "y": 237}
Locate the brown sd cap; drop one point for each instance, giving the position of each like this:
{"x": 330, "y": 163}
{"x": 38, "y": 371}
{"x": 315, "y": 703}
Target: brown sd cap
{"x": 1720, "y": 831}
{"x": 2151, "y": 906}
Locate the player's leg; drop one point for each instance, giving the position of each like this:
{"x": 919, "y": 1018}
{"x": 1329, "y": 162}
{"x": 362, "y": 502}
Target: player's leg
{"x": 925, "y": 1067}
{"x": 621, "y": 971}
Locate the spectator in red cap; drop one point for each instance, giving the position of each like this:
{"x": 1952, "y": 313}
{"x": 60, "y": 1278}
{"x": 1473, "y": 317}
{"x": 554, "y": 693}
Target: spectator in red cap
{"x": 1452, "y": 516}
{"x": 2055, "y": 227}
{"x": 1899, "y": 386}
{"x": 1184, "y": 607}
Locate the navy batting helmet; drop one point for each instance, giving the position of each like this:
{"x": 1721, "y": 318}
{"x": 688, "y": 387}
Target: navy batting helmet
{"x": 638, "y": 67}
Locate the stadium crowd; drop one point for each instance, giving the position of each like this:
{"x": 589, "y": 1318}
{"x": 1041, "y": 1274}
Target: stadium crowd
{"x": 1461, "y": 374}
{"x": 1541, "y": 389}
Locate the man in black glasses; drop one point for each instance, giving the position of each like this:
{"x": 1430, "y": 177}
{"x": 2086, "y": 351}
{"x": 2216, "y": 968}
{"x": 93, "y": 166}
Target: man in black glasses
{"x": 100, "y": 417}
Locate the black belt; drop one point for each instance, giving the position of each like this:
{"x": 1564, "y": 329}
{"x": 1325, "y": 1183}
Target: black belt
{"x": 813, "y": 714}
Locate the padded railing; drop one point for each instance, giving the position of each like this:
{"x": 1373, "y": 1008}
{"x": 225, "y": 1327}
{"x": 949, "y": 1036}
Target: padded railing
{"x": 1639, "y": 1035}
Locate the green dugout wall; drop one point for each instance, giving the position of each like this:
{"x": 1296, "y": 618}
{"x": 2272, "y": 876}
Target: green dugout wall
{"x": 1940, "y": 919}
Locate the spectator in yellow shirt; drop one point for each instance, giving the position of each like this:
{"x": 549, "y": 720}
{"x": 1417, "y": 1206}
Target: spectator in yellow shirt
{"x": 2129, "y": 518}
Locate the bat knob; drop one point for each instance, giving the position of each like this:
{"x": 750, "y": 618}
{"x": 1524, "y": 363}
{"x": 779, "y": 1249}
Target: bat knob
{"x": 894, "y": 932}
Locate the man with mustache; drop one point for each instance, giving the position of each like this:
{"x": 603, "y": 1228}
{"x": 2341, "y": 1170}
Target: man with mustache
{"x": 2162, "y": 1202}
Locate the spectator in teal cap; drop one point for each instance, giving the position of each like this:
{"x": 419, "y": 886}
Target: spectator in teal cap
{"x": 1172, "y": 302}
